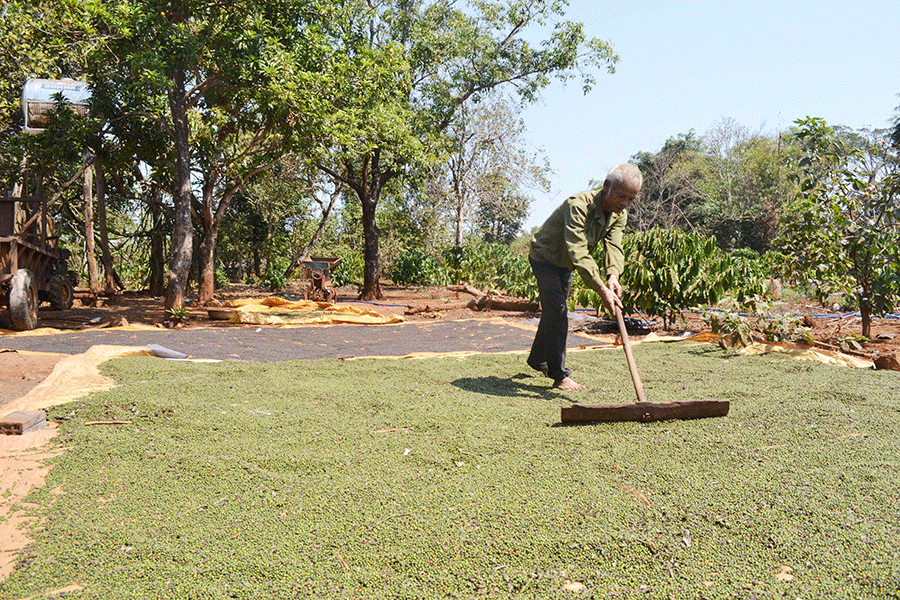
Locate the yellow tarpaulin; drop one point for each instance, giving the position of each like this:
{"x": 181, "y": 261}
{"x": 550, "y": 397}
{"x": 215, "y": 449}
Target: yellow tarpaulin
{"x": 805, "y": 353}
{"x": 277, "y": 311}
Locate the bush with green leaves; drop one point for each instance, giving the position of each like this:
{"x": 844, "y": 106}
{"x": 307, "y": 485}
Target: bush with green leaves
{"x": 491, "y": 266}
{"x": 750, "y": 272}
{"x": 669, "y": 270}
{"x": 221, "y": 278}
{"x": 415, "y": 267}
{"x": 349, "y": 271}
{"x": 745, "y": 322}
{"x": 274, "y": 278}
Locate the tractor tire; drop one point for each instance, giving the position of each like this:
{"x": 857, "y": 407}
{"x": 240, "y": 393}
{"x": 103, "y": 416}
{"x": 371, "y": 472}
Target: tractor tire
{"x": 61, "y": 292}
{"x": 23, "y": 301}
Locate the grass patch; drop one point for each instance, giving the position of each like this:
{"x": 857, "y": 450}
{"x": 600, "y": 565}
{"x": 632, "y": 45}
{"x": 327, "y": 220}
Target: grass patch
{"x": 452, "y": 478}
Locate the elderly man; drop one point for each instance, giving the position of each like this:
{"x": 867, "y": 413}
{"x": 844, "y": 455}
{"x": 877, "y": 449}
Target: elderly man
{"x": 563, "y": 243}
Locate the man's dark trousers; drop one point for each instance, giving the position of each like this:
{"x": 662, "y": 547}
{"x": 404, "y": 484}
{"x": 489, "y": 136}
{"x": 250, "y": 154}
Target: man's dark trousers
{"x": 548, "y": 352}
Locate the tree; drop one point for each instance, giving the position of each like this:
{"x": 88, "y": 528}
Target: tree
{"x": 728, "y": 183}
{"x": 218, "y": 69}
{"x": 489, "y": 163}
{"x": 416, "y": 64}
{"x": 841, "y": 230}
{"x": 501, "y": 213}
{"x": 742, "y": 185}
{"x": 667, "y": 194}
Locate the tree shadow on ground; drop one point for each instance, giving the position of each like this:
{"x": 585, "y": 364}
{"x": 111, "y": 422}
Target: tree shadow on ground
{"x": 517, "y": 386}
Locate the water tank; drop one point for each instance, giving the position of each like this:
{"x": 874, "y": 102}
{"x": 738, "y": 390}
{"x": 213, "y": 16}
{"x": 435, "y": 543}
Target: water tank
{"x": 39, "y": 98}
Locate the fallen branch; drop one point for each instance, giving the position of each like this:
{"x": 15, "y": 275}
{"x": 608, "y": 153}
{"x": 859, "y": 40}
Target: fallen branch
{"x": 468, "y": 289}
{"x": 90, "y": 423}
{"x": 489, "y": 302}
{"x": 414, "y": 310}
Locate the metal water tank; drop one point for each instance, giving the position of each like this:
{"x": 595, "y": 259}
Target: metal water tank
{"x": 39, "y": 98}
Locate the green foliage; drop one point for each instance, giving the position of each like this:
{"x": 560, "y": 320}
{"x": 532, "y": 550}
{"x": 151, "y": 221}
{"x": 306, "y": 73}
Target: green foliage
{"x": 413, "y": 64}
{"x": 349, "y": 271}
{"x": 750, "y": 271}
{"x": 414, "y": 267}
{"x": 668, "y": 270}
{"x": 841, "y": 229}
{"x": 491, "y": 266}
{"x": 728, "y": 183}
{"x": 221, "y": 279}
{"x": 274, "y": 278}
{"x": 735, "y": 324}
{"x": 178, "y": 314}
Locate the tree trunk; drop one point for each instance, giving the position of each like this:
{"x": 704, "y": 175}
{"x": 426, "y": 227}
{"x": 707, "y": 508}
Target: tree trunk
{"x": 157, "y": 282}
{"x": 93, "y": 271}
{"x": 367, "y": 184}
{"x": 371, "y": 233}
{"x": 372, "y": 180}
{"x": 211, "y": 219}
{"x": 866, "y": 314}
{"x": 182, "y": 229}
{"x": 105, "y": 252}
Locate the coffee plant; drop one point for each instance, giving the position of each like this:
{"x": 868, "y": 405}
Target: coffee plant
{"x": 349, "y": 271}
{"x": 415, "y": 267}
{"x": 669, "y": 270}
{"x": 491, "y": 266}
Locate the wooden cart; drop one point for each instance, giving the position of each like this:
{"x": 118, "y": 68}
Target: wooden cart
{"x": 32, "y": 268}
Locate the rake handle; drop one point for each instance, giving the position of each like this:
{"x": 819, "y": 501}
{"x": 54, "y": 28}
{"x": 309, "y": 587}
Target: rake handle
{"x": 635, "y": 377}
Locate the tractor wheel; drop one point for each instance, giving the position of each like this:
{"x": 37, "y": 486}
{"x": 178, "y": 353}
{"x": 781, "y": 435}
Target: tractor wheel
{"x": 23, "y": 301}
{"x": 61, "y": 292}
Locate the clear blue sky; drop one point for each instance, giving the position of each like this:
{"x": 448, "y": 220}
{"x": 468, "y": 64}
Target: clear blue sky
{"x": 688, "y": 65}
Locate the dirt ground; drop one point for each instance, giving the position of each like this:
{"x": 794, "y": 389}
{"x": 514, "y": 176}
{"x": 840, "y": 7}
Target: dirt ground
{"x": 19, "y": 371}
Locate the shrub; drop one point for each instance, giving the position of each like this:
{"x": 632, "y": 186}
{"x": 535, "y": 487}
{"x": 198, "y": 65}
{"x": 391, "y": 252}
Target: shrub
{"x": 414, "y": 267}
{"x": 493, "y": 266}
{"x": 669, "y": 270}
{"x": 349, "y": 271}
{"x": 737, "y": 323}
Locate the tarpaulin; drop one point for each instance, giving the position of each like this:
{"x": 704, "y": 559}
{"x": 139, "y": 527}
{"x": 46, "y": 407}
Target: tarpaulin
{"x": 277, "y": 311}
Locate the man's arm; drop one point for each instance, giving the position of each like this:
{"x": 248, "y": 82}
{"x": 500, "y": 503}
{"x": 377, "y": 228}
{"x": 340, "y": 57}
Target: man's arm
{"x": 577, "y": 246}
{"x": 614, "y": 256}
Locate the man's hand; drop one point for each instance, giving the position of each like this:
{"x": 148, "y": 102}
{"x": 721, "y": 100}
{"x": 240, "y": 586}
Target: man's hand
{"x": 613, "y": 283}
{"x": 610, "y": 299}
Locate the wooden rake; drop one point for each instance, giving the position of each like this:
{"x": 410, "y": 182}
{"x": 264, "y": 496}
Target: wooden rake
{"x": 642, "y": 410}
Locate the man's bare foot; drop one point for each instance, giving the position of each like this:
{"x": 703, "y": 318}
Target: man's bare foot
{"x": 567, "y": 383}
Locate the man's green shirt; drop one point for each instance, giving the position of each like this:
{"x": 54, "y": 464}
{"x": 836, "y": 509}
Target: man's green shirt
{"x": 572, "y": 232}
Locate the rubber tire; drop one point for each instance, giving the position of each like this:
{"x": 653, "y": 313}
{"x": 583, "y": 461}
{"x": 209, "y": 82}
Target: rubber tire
{"x": 23, "y": 301}
{"x": 61, "y": 292}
